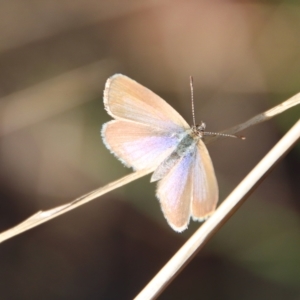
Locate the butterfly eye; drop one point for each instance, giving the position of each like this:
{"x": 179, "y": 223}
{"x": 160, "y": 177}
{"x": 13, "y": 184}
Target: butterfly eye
{"x": 201, "y": 127}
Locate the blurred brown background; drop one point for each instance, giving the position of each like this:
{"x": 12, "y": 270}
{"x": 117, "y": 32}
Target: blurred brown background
{"x": 55, "y": 57}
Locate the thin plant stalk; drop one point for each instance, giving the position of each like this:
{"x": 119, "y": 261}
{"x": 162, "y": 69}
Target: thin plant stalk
{"x": 220, "y": 216}
{"x": 45, "y": 216}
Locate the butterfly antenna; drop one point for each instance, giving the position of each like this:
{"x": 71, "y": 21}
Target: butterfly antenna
{"x": 224, "y": 135}
{"x": 201, "y": 127}
{"x": 192, "y": 99}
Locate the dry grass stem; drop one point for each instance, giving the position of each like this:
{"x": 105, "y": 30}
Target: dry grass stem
{"x": 221, "y": 215}
{"x": 44, "y": 216}
{"x": 265, "y": 116}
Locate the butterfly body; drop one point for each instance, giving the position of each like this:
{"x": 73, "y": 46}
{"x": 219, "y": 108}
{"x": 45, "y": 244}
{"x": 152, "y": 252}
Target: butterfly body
{"x": 148, "y": 133}
{"x": 186, "y": 146}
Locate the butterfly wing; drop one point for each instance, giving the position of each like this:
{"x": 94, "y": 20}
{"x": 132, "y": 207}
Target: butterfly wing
{"x": 137, "y": 145}
{"x": 174, "y": 192}
{"x": 125, "y": 99}
{"x": 146, "y": 129}
{"x": 189, "y": 189}
{"x": 205, "y": 186}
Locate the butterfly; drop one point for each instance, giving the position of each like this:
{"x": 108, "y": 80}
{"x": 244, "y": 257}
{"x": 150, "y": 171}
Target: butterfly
{"x": 148, "y": 133}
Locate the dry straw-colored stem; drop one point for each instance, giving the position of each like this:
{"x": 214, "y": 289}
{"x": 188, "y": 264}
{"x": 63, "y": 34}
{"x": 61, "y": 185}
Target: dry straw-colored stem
{"x": 267, "y": 115}
{"x": 169, "y": 272}
{"x": 220, "y": 216}
{"x": 44, "y": 216}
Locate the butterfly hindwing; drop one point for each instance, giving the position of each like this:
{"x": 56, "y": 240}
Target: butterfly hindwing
{"x": 189, "y": 189}
{"x": 174, "y": 192}
{"x": 205, "y": 186}
{"x": 137, "y": 145}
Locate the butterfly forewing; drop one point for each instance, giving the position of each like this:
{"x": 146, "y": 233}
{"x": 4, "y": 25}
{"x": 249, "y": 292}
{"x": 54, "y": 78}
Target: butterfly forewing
{"x": 126, "y": 99}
